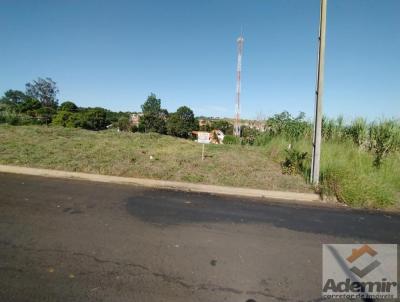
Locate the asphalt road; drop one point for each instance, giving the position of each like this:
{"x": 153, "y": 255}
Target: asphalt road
{"x": 64, "y": 240}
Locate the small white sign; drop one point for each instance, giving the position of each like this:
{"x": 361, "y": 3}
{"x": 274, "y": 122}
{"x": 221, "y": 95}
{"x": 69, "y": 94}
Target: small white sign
{"x": 203, "y": 137}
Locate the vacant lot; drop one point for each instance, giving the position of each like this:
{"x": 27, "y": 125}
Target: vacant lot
{"x": 143, "y": 155}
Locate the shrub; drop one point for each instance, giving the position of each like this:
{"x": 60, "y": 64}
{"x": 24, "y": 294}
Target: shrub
{"x": 94, "y": 119}
{"x": 225, "y": 126}
{"x": 231, "y": 140}
{"x": 248, "y": 140}
{"x": 11, "y": 118}
{"x": 123, "y": 124}
{"x": 61, "y": 118}
{"x": 262, "y": 139}
{"x": 294, "y": 162}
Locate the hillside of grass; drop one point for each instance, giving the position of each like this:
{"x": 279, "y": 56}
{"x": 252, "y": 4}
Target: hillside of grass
{"x": 144, "y": 155}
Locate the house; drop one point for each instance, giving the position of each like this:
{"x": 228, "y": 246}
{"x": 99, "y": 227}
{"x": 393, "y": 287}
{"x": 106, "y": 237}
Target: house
{"x": 135, "y": 118}
{"x": 203, "y": 122}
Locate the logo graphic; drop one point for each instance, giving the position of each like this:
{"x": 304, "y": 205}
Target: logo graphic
{"x": 353, "y": 271}
{"x": 357, "y": 253}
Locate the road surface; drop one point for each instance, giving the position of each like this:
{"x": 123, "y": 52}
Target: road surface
{"x": 64, "y": 240}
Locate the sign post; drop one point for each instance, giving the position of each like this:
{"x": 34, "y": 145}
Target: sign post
{"x": 203, "y": 138}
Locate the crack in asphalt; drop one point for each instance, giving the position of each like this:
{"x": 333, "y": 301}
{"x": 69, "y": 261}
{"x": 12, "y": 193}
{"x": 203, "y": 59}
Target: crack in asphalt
{"x": 162, "y": 276}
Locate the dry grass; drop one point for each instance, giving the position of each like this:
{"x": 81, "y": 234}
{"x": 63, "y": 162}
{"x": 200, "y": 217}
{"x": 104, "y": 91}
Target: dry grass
{"x": 128, "y": 154}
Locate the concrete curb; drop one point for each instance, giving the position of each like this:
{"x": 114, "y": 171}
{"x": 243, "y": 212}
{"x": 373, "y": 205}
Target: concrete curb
{"x": 164, "y": 184}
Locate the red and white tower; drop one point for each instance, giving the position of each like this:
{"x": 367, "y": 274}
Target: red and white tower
{"x": 236, "y": 128}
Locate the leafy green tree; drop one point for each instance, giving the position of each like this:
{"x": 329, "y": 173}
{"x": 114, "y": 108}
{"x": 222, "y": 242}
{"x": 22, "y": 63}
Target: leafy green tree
{"x": 44, "y": 90}
{"x": 61, "y": 118}
{"x": 123, "y": 124}
{"x": 113, "y": 117}
{"x": 29, "y": 105}
{"x": 45, "y": 114}
{"x": 181, "y": 123}
{"x": 152, "y": 104}
{"x": 154, "y": 118}
{"x": 76, "y": 120}
{"x": 94, "y": 119}
{"x": 293, "y": 128}
{"x": 225, "y": 126}
{"x": 14, "y": 97}
{"x": 68, "y": 106}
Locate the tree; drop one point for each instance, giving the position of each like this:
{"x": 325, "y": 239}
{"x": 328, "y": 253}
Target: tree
{"x": 61, "y": 118}
{"x": 154, "y": 118}
{"x": 181, "y": 123}
{"x": 45, "y": 114}
{"x": 29, "y": 105}
{"x": 123, "y": 124}
{"x": 152, "y": 104}
{"x": 14, "y": 97}
{"x": 68, "y": 106}
{"x": 95, "y": 119}
{"x": 44, "y": 90}
{"x": 223, "y": 125}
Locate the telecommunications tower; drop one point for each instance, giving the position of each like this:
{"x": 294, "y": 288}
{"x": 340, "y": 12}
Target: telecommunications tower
{"x": 236, "y": 128}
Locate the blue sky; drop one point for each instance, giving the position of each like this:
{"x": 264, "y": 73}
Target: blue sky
{"x": 115, "y": 53}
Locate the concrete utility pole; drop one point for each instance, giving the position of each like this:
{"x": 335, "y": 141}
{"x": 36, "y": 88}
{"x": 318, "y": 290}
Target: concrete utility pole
{"x": 316, "y": 154}
{"x": 236, "y": 127}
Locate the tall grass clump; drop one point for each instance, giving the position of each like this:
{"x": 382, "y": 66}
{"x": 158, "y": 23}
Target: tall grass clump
{"x": 384, "y": 138}
{"x": 348, "y": 174}
{"x": 360, "y": 161}
{"x": 358, "y": 131}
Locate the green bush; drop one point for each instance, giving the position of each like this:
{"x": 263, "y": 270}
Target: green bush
{"x": 181, "y": 123}
{"x": 231, "y": 140}
{"x": 68, "y": 106}
{"x": 123, "y": 124}
{"x": 17, "y": 119}
{"x": 93, "y": 119}
{"x": 225, "y": 126}
{"x": 262, "y": 139}
{"x": 294, "y": 162}
{"x": 61, "y": 118}
{"x": 248, "y": 140}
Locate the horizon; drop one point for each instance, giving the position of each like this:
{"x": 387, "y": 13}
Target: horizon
{"x": 110, "y": 55}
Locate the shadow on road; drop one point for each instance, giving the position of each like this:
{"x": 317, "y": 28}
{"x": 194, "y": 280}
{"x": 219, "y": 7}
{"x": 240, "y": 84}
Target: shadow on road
{"x": 166, "y": 208}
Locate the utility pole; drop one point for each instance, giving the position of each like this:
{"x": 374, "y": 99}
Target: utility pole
{"x": 316, "y": 154}
{"x": 236, "y": 127}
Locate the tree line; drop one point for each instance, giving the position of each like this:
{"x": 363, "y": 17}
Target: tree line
{"x": 39, "y": 105}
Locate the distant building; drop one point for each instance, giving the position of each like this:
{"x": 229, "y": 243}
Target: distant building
{"x": 203, "y": 122}
{"x": 258, "y": 125}
{"x": 135, "y": 119}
